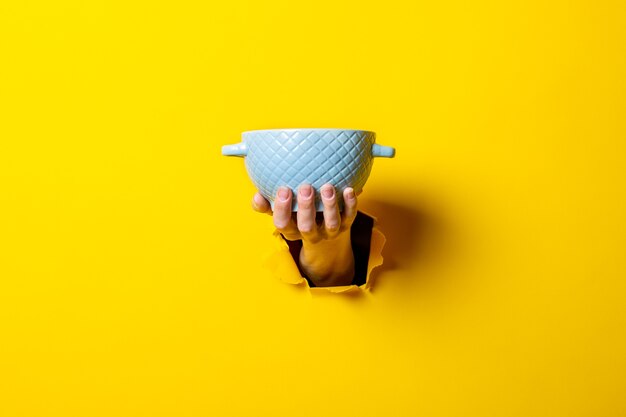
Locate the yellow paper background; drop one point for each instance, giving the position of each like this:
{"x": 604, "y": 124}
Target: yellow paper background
{"x": 131, "y": 277}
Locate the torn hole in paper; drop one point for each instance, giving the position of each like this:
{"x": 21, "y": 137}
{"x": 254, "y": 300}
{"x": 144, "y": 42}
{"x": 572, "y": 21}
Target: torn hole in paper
{"x": 367, "y": 244}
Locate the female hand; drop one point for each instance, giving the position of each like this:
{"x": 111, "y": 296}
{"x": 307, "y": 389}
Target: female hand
{"x": 326, "y": 256}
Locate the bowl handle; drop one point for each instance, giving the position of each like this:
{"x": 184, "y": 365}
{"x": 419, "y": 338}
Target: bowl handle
{"x": 383, "y": 151}
{"x": 238, "y": 149}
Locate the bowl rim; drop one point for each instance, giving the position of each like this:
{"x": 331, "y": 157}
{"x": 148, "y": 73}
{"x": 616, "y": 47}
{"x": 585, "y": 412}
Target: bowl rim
{"x": 318, "y": 129}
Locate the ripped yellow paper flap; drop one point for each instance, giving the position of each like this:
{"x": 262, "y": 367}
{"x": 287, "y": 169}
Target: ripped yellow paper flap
{"x": 282, "y": 265}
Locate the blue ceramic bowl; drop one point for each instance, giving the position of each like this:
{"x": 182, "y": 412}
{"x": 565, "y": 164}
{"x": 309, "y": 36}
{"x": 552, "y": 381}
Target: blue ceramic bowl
{"x": 292, "y": 157}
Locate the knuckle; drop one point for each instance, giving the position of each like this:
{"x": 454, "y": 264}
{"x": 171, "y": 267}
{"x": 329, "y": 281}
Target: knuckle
{"x": 347, "y": 222}
{"x": 350, "y": 210}
{"x": 305, "y": 205}
{"x": 306, "y": 228}
{"x": 332, "y": 226}
{"x": 350, "y": 204}
{"x": 281, "y": 224}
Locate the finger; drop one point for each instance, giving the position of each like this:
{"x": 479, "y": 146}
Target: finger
{"x": 282, "y": 214}
{"x": 306, "y": 212}
{"x": 349, "y": 207}
{"x": 332, "y": 221}
{"x": 260, "y": 204}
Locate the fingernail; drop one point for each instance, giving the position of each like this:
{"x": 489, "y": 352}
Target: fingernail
{"x": 283, "y": 194}
{"x": 350, "y": 194}
{"x": 328, "y": 192}
{"x": 306, "y": 191}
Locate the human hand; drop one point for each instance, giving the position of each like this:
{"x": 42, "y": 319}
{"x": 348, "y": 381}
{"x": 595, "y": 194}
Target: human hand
{"x": 326, "y": 256}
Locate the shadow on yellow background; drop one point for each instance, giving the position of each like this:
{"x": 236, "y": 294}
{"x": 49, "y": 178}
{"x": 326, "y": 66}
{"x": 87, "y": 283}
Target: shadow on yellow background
{"x": 413, "y": 235}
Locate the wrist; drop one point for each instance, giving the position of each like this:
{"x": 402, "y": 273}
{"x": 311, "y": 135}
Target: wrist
{"x": 328, "y": 262}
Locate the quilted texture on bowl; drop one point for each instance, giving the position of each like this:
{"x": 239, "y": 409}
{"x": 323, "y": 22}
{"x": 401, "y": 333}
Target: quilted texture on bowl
{"x": 293, "y": 157}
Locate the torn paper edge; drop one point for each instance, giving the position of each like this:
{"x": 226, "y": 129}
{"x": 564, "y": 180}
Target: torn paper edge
{"x": 282, "y": 265}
